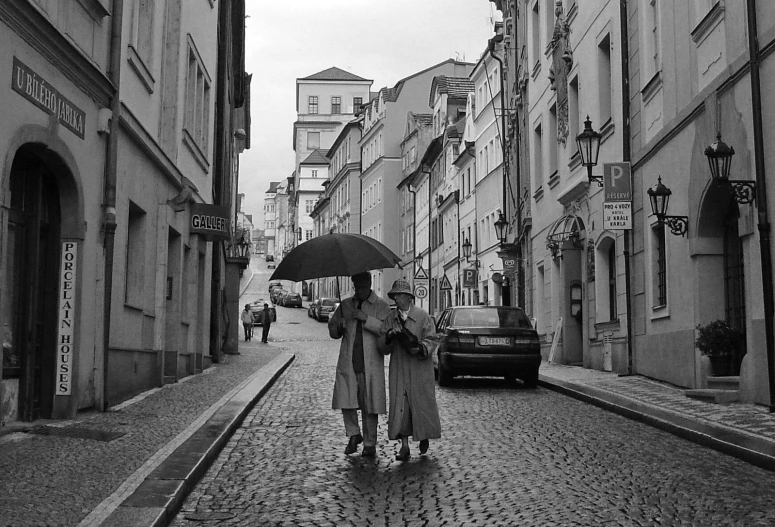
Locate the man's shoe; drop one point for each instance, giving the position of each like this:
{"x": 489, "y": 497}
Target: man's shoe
{"x": 424, "y": 444}
{"x": 352, "y": 445}
{"x": 403, "y": 454}
{"x": 369, "y": 451}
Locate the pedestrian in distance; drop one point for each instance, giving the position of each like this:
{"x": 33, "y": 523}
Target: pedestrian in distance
{"x": 360, "y": 369}
{"x": 266, "y": 321}
{"x": 247, "y": 322}
{"x": 410, "y": 339}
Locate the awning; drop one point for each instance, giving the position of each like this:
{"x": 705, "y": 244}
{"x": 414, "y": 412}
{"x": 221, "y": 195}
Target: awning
{"x": 565, "y": 233}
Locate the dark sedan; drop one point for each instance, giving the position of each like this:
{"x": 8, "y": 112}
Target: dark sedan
{"x": 257, "y": 307}
{"x": 292, "y": 300}
{"x": 495, "y": 341}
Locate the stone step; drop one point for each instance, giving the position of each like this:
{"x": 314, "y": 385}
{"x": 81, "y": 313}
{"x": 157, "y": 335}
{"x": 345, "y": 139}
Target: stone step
{"x": 724, "y": 383}
{"x": 170, "y": 379}
{"x": 711, "y": 395}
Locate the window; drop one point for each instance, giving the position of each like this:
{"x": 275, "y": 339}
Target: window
{"x": 336, "y": 105}
{"x": 313, "y": 140}
{"x": 308, "y": 234}
{"x": 314, "y": 173}
{"x": 612, "y": 311}
{"x": 659, "y": 274}
{"x": 538, "y": 155}
{"x": 197, "y": 116}
{"x": 549, "y": 20}
{"x": 650, "y": 41}
{"x": 535, "y": 27}
{"x": 135, "y": 256}
{"x": 552, "y": 140}
{"x": 604, "y": 78}
{"x": 143, "y": 30}
{"x": 309, "y": 205}
{"x": 573, "y": 113}
{"x": 357, "y": 102}
{"x": 312, "y": 104}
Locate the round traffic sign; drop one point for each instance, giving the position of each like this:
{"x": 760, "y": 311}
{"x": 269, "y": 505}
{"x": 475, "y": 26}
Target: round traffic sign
{"x": 420, "y": 291}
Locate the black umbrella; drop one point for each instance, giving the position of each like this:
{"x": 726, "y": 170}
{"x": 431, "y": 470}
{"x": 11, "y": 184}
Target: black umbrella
{"x": 334, "y": 255}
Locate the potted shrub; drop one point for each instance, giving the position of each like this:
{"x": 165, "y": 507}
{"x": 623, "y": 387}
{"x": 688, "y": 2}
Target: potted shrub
{"x": 719, "y": 342}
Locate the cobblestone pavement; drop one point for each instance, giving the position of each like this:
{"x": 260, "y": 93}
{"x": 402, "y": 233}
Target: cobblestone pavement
{"x": 56, "y": 480}
{"x": 508, "y": 456}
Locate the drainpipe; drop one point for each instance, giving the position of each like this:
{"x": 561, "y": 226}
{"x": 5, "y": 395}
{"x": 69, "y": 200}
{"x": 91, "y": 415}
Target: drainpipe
{"x": 459, "y": 292}
{"x": 109, "y": 191}
{"x": 626, "y": 156}
{"x": 761, "y": 197}
{"x": 518, "y": 213}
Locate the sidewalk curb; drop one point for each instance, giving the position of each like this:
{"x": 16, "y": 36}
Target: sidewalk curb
{"x": 757, "y": 451}
{"x": 157, "y": 500}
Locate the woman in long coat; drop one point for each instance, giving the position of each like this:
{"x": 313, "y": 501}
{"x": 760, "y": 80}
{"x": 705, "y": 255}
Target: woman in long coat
{"x": 410, "y": 338}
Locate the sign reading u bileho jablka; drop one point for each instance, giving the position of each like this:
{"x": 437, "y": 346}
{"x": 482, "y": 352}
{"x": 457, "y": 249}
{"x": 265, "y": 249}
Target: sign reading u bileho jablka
{"x": 35, "y": 89}
{"x": 617, "y": 201}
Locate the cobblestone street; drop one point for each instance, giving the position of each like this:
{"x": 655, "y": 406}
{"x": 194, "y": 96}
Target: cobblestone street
{"x": 508, "y": 456}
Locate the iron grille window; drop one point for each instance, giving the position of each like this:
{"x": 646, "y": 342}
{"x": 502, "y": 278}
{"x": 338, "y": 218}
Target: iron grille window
{"x": 613, "y": 313}
{"x": 661, "y": 266}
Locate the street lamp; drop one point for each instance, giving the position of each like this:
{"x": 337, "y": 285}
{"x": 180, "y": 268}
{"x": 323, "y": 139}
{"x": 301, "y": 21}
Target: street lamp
{"x": 659, "y": 196}
{"x": 467, "y": 253}
{"x": 719, "y": 156}
{"x": 500, "y": 228}
{"x": 588, "y": 142}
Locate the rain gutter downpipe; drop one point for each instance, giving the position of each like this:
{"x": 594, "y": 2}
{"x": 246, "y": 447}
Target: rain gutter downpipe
{"x": 761, "y": 197}
{"x": 109, "y": 190}
{"x": 626, "y": 156}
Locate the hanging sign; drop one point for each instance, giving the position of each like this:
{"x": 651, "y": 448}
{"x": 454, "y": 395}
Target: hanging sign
{"x": 35, "y": 89}
{"x": 212, "y": 221}
{"x": 66, "y": 322}
{"x": 617, "y": 184}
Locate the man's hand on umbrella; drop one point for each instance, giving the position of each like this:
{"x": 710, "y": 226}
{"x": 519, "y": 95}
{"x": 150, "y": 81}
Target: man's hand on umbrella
{"x": 361, "y": 315}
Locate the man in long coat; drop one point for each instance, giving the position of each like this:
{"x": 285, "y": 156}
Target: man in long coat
{"x": 410, "y": 337}
{"x": 360, "y": 370}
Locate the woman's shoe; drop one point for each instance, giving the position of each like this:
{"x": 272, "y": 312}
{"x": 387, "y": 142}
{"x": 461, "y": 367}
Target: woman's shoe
{"x": 403, "y": 454}
{"x": 424, "y": 444}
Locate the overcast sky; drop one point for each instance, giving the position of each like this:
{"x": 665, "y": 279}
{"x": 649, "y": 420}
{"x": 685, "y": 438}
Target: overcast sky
{"x": 381, "y": 40}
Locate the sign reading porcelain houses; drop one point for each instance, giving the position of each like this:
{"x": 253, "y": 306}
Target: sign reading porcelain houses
{"x": 35, "y": 89}
{"x": 66, "y": 321}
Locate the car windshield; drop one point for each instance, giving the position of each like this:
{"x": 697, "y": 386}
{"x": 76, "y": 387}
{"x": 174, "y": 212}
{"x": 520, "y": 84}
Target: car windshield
{"x": 329, "y": 302}
{"x": 493, "y": 317}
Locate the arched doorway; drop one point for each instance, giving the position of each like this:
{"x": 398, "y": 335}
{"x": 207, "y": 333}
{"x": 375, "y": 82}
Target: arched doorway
{"x": 30, "y": 288}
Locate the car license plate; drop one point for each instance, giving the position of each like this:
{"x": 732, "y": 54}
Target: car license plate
{"x": 494, "y": 341}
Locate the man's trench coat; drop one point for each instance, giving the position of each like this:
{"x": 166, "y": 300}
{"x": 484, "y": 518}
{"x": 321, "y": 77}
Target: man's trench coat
{"x": 345, "y": 385}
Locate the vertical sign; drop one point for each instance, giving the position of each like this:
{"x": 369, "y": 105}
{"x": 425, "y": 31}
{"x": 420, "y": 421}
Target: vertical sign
{"x": 617, "y": 189}
{"x": 66, "y": 322}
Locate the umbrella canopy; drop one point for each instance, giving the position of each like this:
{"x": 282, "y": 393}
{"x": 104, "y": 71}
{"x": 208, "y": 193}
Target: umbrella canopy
{"x": 335, "y": 254}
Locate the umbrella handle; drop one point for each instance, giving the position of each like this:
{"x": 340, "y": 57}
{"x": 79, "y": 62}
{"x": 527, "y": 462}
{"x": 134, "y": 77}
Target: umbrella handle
{"x": 338, "y": 291}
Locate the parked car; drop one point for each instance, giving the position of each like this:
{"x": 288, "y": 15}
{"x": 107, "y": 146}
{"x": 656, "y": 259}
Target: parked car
{"x": 258, "y": 306}
{"x": 325, "y": 308}
{"x": 292, "y": 300}
{"x": 311, "y": 309}
{"x": 269, "y": 258}
{"x": 271, "y": 265}
{"x": 487, "y": 341}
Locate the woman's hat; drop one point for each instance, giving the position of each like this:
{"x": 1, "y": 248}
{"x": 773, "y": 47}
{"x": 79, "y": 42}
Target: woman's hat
{"x": 400, "y": 286}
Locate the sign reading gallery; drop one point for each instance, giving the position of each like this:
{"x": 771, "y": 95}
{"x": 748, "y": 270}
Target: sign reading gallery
{"x": 66, "y": 322}
{"x": 35, "y": 89}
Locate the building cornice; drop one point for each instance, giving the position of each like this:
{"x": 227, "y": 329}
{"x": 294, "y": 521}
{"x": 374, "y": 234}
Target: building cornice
{"x": 58, "y": 49}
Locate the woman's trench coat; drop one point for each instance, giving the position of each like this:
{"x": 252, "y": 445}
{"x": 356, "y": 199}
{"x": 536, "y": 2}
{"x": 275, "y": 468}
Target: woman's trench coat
{"x": 413, "y": 374}
{"x": 345, "y": 384}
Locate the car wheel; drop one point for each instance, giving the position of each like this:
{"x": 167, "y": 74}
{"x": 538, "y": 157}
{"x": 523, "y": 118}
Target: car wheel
{"x": 531, "y": 379}
{"x": 445, "y": 377}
